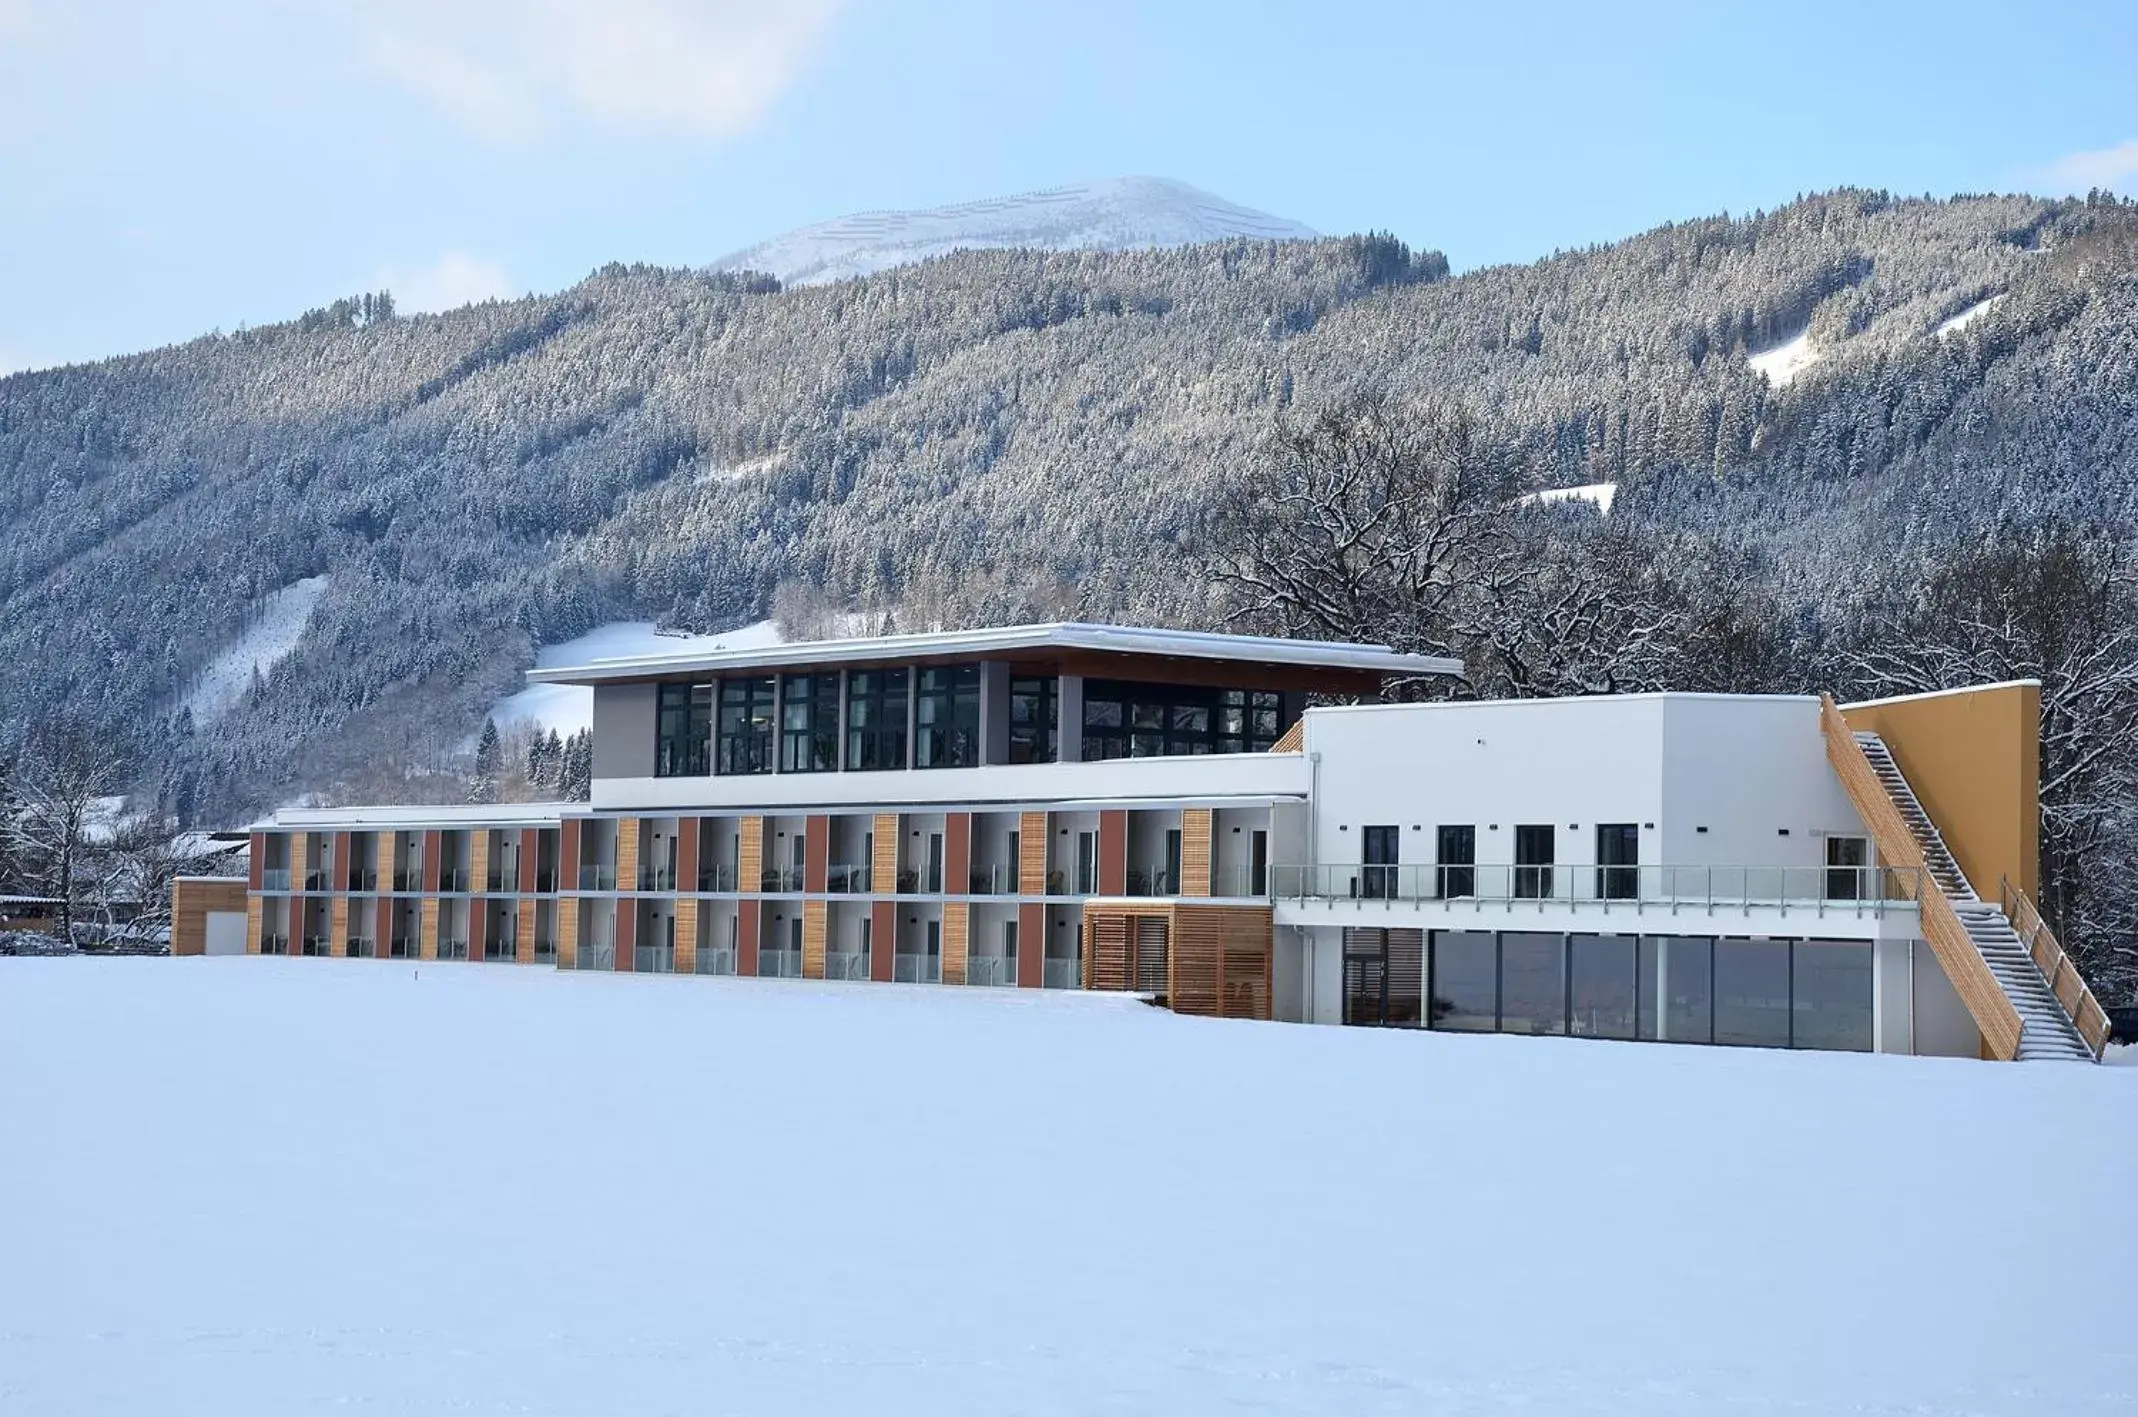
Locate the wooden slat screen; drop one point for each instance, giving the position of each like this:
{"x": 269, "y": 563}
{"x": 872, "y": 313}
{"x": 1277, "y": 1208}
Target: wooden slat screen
{"x": 957, "y": 924}
{"x": 389, "y": 862}
{"x": 883, "y": 867}
{"x": 1032, "y": 856}
{"x": 1294, "y": 739}
{"x": 1196, "y": 826}
{"x": 750, "y": 856}
{"x": 815, "y": 924}
{"x": 478, "y": 864}
{"x": 255, "y": 913}
{"x": 430, "y": 925}
{"x": 523, "y": 949}
{"x": 338, "y": 926}
{"x": 687, "y": 934}
{"x": 627, "y": 878}
{"x": 568, "y": 933}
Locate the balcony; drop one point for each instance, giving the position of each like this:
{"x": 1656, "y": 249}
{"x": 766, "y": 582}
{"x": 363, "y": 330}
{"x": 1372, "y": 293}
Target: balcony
{"x": 849, "y": 880}
{"x": 402, "y": 947}
{"x": 317, "y": 945}
{"x": 779, "y": 964}
{"x": 1062, "y": 974}
{"x": 274, "y": 944}
{"x": 991, "y": 971}
{"x": 597, "y": 878}
{"x": 1153, "y": 881}
{"x": 357, "y": 947}
{"x": 545, "y": 882}
{"x": 454, "y": 879}
{"x": 315, "y": 881}
{"x": 716, "y": 878}
{"x": 780, "y": 880}
{"x": 1846, "y": 890}
{"x": 545, "y": 947}
{"x": 846, "y": 964}
{"x": 718, "y": 961}
{"x": 657, "y": 878}
{"x": 363, "y": 881}
{"x": 409, "y": 879}
{"x": 913, "y": 880}
{"x": 992, "y": 880}
{"x": 917, "y": 969}
{"x": 275, "y": 880}
{"x": 653, "y": 959}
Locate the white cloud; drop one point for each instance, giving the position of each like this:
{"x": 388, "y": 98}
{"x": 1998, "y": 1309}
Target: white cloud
{"x": 2113, "y": 168}
{"x": 511, "y": 69}
{"x": 453, "y": 280}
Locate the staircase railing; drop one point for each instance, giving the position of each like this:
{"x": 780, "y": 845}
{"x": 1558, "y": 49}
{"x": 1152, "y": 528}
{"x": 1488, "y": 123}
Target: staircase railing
{"x": 1970, "y": 974}
{"x": 2064, "y": 978}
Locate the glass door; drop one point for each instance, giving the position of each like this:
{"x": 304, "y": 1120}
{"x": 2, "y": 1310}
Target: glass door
{"x": 1377, "y": 881}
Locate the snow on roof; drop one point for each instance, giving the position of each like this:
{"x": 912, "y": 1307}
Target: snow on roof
{"x": 478, "y": 814}
{"x": 1941, "y": 693}
{"x": 1113, "y": 639}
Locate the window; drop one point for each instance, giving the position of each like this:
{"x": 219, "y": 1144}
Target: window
{"x": 1601, "y": 985}
{"x": 1830, "y": 995}
{"x": 934, "y": 884}
{"x": 1015, "y": 865}
{"x": 1258, "y": 863}
{"x": 1465, "y": 981}
{"x": 745, "y": 741}
{"x": 1009, "y": 940}
{"x": 1457, "y": 859}
{"x": 1131, "y": 720}
{"x": 1087, "y": 863}
{"x": 809, "y": 723}
{"x": 875, "y": 719}
{"x": 1676, "y": 988}
{"x": 1377, "y": 879}
{"x": 1035, "y": 707}
{"x": 1169, "y": 882}
{"x": 1532, "y": 983}
{"x": 683, "y": 735}
{"x": 1533, "y": 854}
{"x": 1618, "y": 861}
{"x": 1752, "y": 992}
{"x": 946, "y": 717}
{"x": 1848, "y": 860}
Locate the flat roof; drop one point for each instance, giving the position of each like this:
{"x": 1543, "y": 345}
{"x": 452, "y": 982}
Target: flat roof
{"x": 450, "y": 814}
{"x": 1025, "y": 640}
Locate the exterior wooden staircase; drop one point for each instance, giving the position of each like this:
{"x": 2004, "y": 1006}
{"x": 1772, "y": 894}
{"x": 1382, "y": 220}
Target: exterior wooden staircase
{"x": 2025, "y": 997}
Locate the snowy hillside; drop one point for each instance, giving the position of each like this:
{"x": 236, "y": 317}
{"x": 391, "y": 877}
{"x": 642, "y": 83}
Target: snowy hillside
{"x": 570, "y": 707}
{"x": 1118, "y": 215}
{"x": 278, "y": 623}
{"x": 260, "y": 1187}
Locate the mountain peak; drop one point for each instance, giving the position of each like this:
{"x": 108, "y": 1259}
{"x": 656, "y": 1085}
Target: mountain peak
{"x": 1117, "y": 214}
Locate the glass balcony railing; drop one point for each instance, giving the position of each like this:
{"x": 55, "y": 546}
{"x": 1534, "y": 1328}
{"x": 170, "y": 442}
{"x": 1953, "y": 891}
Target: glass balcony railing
{"x": 848, "y": 880}
{"x": 1062, "y": 974}
{"x": 917, "y": 969}
{"x": 720, "y": 961}
{"x": 846, "y": 964}
{"x": 991, "y": 971}
{"x": 993, "y": 880}
{"x": 597, "y": 878}
{"x": 1152, "y": 881}
{"x": 779, "y": 964}
{"x": 1537, "y": 885}
{"x": 455, "y": 879}
{"x": 657, "y": 878}
{"x": 720, "y": 878}
{"x": 781, "y": 879}
{"x": 275, "y": 880}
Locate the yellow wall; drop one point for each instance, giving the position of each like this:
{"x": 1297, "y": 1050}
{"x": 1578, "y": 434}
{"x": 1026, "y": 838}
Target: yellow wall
{"x": 1973, "y": 757}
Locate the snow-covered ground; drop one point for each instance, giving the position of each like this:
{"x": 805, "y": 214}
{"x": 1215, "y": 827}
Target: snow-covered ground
{"x": 1783, "y": 362}
{"x": 278, "y": 1187}
{"x": 276, "y": 627}
{"x": 1966, "y": 317}
{"x": 1598, "y": 494}
{"x": 1116, "y": 215}
{"x": 569, "y": 707}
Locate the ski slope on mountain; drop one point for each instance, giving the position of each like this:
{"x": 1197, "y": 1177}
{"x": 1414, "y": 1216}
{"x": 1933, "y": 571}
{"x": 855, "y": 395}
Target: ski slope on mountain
{"x": 277, "y": 1187}
{"x": 1117, "y": 215}
{"x": 567, "y": 708}
{"x": 278, "y": 622}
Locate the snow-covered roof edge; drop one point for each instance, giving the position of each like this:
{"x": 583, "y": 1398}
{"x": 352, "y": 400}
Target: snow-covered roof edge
{"x": 480, "y": 814}
{"x": 1940, "y": 693}
{"x": 1118, "y": 639}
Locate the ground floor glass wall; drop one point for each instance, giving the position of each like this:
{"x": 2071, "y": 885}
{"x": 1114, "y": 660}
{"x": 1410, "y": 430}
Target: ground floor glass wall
{"x": 1670, "y": 988}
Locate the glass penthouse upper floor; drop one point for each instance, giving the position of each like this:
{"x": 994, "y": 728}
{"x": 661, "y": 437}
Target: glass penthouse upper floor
{"x": 1027, "y": 712}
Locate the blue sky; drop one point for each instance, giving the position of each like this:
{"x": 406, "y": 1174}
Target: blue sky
{"x": 167, "y": 169}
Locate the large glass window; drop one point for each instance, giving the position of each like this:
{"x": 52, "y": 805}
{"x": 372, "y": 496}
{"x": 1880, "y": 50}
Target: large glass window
{"x": 1377, "y": 880}
{"x": 1677, "y": 988}
{"x": 946, "y": 717}
{"x": 1618, "y": 861}
{"x": 876, "y": 719}
{"x": 1532, "y": 983}
{"x": 1131, "y": 720}
{"x": 1848, "y": 860}
{"x": 1752, "y": 992}
{"x": 809, "y": 723}
{"x": 1830, "y": 994}
{"x": 1601, "y": 995}
{"x": 1457, "y": 873}
{"x": 1533, "y": 854}
{"x": 1035, "y": 707}
{"x": 683, "y": 733}
{"x": 745, "y": 741}
{"x": 1465, "y": 981}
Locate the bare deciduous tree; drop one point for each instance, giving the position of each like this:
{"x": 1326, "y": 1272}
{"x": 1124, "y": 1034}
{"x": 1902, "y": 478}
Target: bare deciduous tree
{"x": 62, "y": 787}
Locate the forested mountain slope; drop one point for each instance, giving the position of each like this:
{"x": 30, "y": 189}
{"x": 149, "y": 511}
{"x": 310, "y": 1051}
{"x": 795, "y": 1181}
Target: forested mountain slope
{"x": 995, "y": 434}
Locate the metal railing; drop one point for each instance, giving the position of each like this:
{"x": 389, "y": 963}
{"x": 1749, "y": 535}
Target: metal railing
{"x": 597, "y": 878}
{"x": 315, "y": 880}
{"x": 849, "y": 879}
{"x": 846, "y": 964}
{"x": 1152, "y": 880}
{"x": 401, "y": 947}
{"x": 917, "y": 969}
{"x": 450, "y": 948}
{"x": 656, "y": 878}
{"x": 716, "y": 961}
{"x": 653, "y": 959}
{"x": 1857, "y": 889}
{"x": 2056, "y": 966}
{"x": 716, "y": 878}
{"x": 545, "y": 947}
{"x": 363, "y": 880}
{"x": 1062, "y": 974}
{"x": 993, "y": 880}
{"x": 779, "y": 964}
{"x": 1240, "y": 882}
{"x": 775, "y": 880}
{"x": 317, "y": 945}
{"x": 275, "y": 880}
{"x": 455, "y": 879}
{"x": 357, "y": 947}
{"x": 274, "y": 944}
{"x": 408, "y": 879}
{"x": 992, "y": 971}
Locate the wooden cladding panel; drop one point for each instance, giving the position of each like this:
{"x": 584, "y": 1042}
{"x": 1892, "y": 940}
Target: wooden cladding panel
{"x": 1294, "y": 739}
{"x": 688, "y": 837}
{"x": 256, "y": 862}
{"x": 1196, "y": 826}
{"x": 255, "y": 918}
{"x": 341, "y": 849}
{"x": 478, "y": 864}
{"x": 338, "y": 926}
{"x": 750, "y": 861}
{"x": 957, "y": 852}
{"x": 749, "y": 921}
{"x": 430, "y": 925}
{"x": 479, "y": 926}
{"x": 1109, "y": 948}
{"x": 626, "y": 934}
{"x": 568, "y": 933}
{"x": 433, "y": 865}
{"x": 568, "y": 849}
{"x": 1218, "y": 961}
{"x": 193, "y": 900}
{"x": 883, "y": 868}
{"x": 816, "y": 855}
{"x": 523, "y": 948}
{"x": 1956, "y": 952}
{"x": 1032, "y": 857}
{"x": 627, "y": 830}
{"x": 1031, "y": 944}
{"x": 687, "y": 933}
{"x": 300, "y": 852}
{"x": 957, "y": 931}
{"x": 382, "y": 926}
{"x": 389, "y": 862}
{"x": 530, "y": 857}
{"x": 816, "y": 921}
{"x": 1113, "y": 853}
{"x": 883, "y": 939}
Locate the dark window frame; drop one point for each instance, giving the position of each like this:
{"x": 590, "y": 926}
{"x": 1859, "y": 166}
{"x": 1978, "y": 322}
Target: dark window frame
{"x": 946, "y": 716}
{"x": 683, "y": 730}
{"x": 809, "y": 723}
{"x": 1035, "y": 719}
{"x": 1126, "y": 718}
{"x": 878, "y": 703}
{"x": 747, "y": 725}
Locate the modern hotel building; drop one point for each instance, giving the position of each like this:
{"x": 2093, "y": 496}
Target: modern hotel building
{"x": 1098, "y": 807}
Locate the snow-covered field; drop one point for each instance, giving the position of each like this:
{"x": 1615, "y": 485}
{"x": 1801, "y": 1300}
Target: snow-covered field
{"x": 273, "y": 633}
{"x": 1783, "y": 362}
{"x": 245, "y": 1186}
{"x": 570, "y": 707}
{"x": 1967, "y": 317}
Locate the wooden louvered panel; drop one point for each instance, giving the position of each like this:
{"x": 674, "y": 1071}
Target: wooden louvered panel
{"x": 300, "y": 850}
{"x": 430, "y": 927}
{"x": 255, "y": 915}
{"x": 1032, "y": 855}
{"x": 1294, "y": 739}
{"x": 524, "y": 943}
{"x": 884, "y": 867}
{"x": 1107, "y": 949}
{"x": 1219, "y": 961}
{"x": 478, "y": 863}
{"x": 883, "y": 940}
{"x": 750, "y": 855}
{"x": 1196, "y": 825}
{"x": 567, "y": 934}
{"x": 338, "y": 926}
{"x": 687, "y": 934}
{"x": 957, "y": 925}
{"x": 389, "y": 862}
{"x": 1031, "y": 945}
{"x": 815, "y": 925}
{"x": 627, "y": 878}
